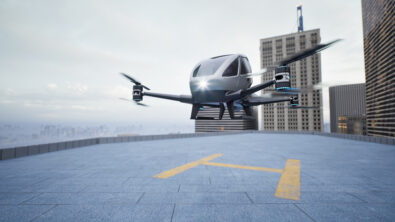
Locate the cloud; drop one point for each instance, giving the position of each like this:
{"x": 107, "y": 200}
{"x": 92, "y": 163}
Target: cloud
{"x": 77, "y": 87}
{"x": 86, "y": 108}
{"x": 52, "y": 86}
{"x": 118, "y": 91}
{"x": 8, "y": 92}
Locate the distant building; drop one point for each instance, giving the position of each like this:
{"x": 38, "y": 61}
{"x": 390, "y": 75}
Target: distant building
{"x": 226, "y": 124}
{"x": 348, "y": 109}
{"x": 304, "y": 73}
{"x": 379, "y": 49}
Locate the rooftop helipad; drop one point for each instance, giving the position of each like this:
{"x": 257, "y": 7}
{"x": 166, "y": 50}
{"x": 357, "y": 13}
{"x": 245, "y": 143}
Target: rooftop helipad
{"x": 240, "y": 177}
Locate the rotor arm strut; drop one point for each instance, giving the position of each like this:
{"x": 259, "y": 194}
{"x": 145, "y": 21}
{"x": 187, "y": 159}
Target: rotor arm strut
{"x": 180, "y": 98}
{"x": 258, "y": 87}
{"x": 241, "y": 94}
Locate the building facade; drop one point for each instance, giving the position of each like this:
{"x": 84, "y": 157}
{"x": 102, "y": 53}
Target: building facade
{"x": 226, "y": 124}
{"x": 348, "y": 109}
{"x": 379, "y": 50}
{"x": 304, "y": 73}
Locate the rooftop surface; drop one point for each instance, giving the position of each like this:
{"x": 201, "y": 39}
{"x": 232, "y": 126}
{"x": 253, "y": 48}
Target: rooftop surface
{"x": 242, "y": 177}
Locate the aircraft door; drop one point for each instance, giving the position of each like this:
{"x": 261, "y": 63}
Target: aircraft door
{"x": 244, "y": 69}
{"x": 231, "y": 76}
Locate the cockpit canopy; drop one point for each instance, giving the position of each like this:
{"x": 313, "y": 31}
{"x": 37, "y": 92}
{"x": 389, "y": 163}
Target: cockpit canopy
{"x": 227, "y": 65}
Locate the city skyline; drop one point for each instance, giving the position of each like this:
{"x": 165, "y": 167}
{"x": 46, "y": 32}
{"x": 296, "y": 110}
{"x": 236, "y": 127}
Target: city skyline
{"x": 66, "y": 68}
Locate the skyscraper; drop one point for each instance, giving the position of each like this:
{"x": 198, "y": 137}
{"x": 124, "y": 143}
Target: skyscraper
{"x": 348, "y": 108}
{"x": 379, "y": 49}
{"x": 304, "y": 73}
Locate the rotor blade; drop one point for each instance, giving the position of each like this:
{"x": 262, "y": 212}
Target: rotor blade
{"x": 125, "y": 99}
{"x": 145, "y": 87}
{"x": 137, "y": 103}
{"x": 305, "y": 53}
{"x": 260, "y": 72}
{"x": 141, "y": 104}
{"x": 131, "y": 79}
{"x": 322, "y": 85}
{"x": 134, "y": 81}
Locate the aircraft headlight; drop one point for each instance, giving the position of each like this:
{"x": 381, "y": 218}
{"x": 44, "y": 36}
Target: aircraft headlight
{"x": 203, "y": 84}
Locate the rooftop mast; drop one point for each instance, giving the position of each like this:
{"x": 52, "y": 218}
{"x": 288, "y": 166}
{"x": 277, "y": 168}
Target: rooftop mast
{"x": 299, "y": 18}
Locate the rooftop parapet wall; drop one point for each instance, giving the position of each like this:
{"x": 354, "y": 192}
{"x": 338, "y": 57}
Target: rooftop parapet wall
{"x": 16, "y": 152}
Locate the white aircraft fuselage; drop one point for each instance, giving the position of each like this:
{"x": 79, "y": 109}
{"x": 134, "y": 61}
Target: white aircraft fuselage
{"x": 213, "y": 78}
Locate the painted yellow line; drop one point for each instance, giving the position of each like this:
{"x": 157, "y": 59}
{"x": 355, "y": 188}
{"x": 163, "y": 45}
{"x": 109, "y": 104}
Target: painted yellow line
{"x": 289, "y": 185}
{"x": 243, "y": 167}
{"x": 187, "y": 166}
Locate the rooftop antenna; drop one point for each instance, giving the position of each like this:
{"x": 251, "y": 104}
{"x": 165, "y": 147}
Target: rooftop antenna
{"x": 299, "y": 18}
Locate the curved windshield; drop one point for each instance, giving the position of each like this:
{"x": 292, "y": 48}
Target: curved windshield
{"x": 244, "y": 66}
{"x": 232, "y": 69}
{"x": 209, "y": 67}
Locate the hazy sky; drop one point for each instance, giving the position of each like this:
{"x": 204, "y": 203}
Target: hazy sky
{"x": 59, "y": 60}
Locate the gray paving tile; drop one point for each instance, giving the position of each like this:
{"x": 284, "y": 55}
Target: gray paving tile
{"x": 376, "y": 196}
{"x": 22, "y": 212}
{"x": 347, "y": 187}
{"x": 15, "y": 198}
{"x": 213, "y": 188}
{"x": 386, "y": 211}
{"x": 165, "y": 198}
{"x": 18, "y": 181}
{"x": 86, "y": 198}
{"x": 114, "y": 173}
{"x": 109, "y": 213}
{"x": 178, "y": 179}
{"x": 128, "y": 188}
{"x": 384, "y": 177}
{"x": 237, "y": 212}
{"x": 54, "y": 188}
{"x": 18, "y": 188}
{"x": 307, "y": 197}
{"x": 85, "y": 181}
{"x": 263, "y": 178}
{"x": 345, "y": 212}
{"x": 344, "y": 180}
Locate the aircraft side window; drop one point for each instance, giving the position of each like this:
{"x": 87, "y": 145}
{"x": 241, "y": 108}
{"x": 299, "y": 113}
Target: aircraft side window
{"x": 232, "y": 69}
{"x": 244, "y": 66}
{"x": 195, "y": 72}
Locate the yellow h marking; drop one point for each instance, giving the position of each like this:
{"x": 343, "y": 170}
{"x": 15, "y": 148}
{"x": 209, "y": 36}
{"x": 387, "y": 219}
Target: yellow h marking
{"x": 187, "y": 166}
{"x": 243, "y": 167}
{"x": 289, "y": 185}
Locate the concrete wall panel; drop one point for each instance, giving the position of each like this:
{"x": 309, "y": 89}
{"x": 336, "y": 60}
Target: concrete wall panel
{"x": 8, "y": 154}
{"x": 52, "y": 147}
{"x": 21, "y": 151}
{"x": 61, "y": 146}
{"x": 43, "y": 148}
{"x": 34, "y": 150}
